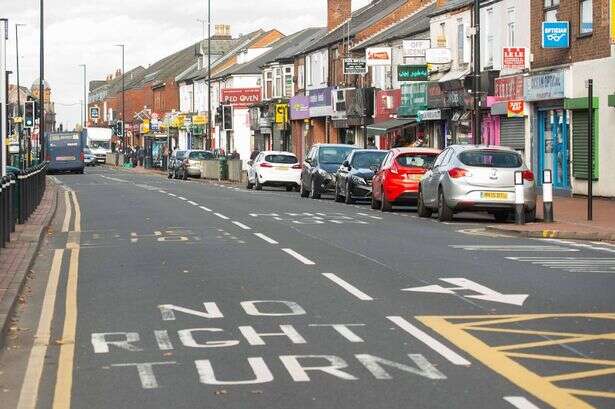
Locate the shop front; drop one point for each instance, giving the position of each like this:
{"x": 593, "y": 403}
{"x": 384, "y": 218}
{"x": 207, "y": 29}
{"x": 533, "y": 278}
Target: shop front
{"x": 546, "y": 93}
{"x": 321, "y": 110}
{"x": 413, "y": 101}
{"x": 458, "y": 102}
{"x": 505, "y": 124}
{"x": 387, "y": 105}
{"x": 299, "y": 106}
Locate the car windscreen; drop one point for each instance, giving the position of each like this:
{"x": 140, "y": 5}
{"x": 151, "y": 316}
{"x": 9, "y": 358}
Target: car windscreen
{"x": 180, "y": 154}
{"x": 99, "y": 144}
{"x": 201, "y": 155}
{"x": 491, "y": 159}
{"x": 287, "y": 159}
{"x": 333, "y": 155}
{"x": 367, "y": 160}
{"x": 417, "y": 160}
{"x": 87, "y": 151}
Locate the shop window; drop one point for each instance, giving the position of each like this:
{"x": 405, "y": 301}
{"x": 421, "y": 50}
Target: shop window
{"x": 587, "y": 18}
{"x": 551, "y": 9}
{"x": 511, "y": 26}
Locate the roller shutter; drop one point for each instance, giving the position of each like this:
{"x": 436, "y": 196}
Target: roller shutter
{"x": 580, "y": 122}
{"x": 512, "y": 132}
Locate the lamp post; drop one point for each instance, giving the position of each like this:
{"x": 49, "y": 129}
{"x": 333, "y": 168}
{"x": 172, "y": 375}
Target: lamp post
{"x": 18, "y": 93}
{"x": 85, "y": 101}
{"x": 209, "y": 139}
{"x": 123, "y": 100}
{"x": 4, "y": 34}
{"x": 41, "y": 86}
{"x": 476, "y": 86}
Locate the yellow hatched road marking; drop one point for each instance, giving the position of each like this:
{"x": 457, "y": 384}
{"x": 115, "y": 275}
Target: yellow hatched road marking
{"x": 571, "y": 340}
{"x": 543, "y": 357}
{"x": 579, "y": 375}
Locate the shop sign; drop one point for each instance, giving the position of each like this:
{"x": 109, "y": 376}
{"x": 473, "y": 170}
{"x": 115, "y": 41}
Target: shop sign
{"x": 545, "y": 86}
{"x": 299, "y": 107}
{"x": 555, "y": 34}
{"x": 438, "y": 56}
{"x": 415, "y": 48}
{"x": 240, "y": 97}
{"x": 375, "y": 56}
{"x": 435, "y": 96}
{"x": 354, "y": 67}
{"x": 508, "y": 88}
{"x": 199, "y": 120}
{"x": 514, "y": 58}
{"x": 144, "y": 128}
{"x": 429, "y": 115}
{"x": 458, "y": 98}
{"x": 155, "y": 125}
{"x": 413, "y": 99}
{"x": 320, "y": 102}
{"x": 387, "y": 103}
{"x": 516, "y": 108}
{"x": 177, "y": 121}
{"x": 412, "y": 73}
{"x": 281, "y": 113}
{"x": 94, "y": 112}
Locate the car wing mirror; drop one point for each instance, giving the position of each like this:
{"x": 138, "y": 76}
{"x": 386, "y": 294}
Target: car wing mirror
{"x": 346, "y": 164}
{"x": 250, "y": 162}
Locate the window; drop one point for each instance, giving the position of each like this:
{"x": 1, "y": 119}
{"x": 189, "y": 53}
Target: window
{"x": 491, "y": 159}
{"x": 300, "y": 76}
{"x": 268, "y": 84}
{"x": 288, "y": 82}
{"x": 511, "y": 26}
{"x": 489, "y": 30}
{"x": 308, "y": 70}
{"x": 551, "y": 8}
{"x": 587, "y": 18}
{"x": 461, "y": 37}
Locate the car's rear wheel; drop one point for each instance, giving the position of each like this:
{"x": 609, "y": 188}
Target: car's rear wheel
{"x": 314, "y": 192}
{"x": 530, "y": 215}
{"x": 375, "y": 203}
{"x": 445, "y": 213}
{"x": 249, "y": 185}
{"x": 385, "y": 205}
{"x": 258, "y": 185}
{"x": 302, "y": 190}
{"x": 348, "y": 198}
{"x": 421, "y": 209}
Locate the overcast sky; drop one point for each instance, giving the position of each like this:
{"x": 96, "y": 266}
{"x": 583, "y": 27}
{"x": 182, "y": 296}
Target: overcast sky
{"x": 84, "y": 32}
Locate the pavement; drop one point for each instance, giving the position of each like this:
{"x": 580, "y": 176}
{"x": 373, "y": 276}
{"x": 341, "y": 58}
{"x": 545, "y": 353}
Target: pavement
{"x": 158, "y": 293}
{"x": 17, "y": 258}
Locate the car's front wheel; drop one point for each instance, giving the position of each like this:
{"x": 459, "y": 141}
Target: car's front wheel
{"x": 258, "y": 185}
{"x": 303, "y": 192}
{"x": 348, "y": 198}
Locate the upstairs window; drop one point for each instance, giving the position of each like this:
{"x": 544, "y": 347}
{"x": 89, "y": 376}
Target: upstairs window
{"x": 511, "y": 26}
{"x": 288, "y": 82}
{"x": 268, "y": 84}
{"x": 587, "y": 17}
{"x": 551, "y": 8}
{"x": 490, "y": 36}
{"x": 461, "y": 38}
{"x": 277, "y": 90}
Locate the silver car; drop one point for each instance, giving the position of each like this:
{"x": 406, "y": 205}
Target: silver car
{"x": 476, "y": 178}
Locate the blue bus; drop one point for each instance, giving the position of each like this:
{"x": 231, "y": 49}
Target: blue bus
{"x": 65, "y": 152}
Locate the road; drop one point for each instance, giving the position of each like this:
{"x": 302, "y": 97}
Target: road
{"x": 173, "y": 294}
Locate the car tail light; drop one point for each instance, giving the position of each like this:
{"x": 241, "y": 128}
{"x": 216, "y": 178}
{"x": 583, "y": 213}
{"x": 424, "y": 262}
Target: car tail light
{"x": 298, "y": 166}
{"x": 48, "y": 158}
{"x": 265, "y": 165}
{"x": 528, "y": 175}
{"x": 457, "y": 173}
{"x": 81, "y": 156}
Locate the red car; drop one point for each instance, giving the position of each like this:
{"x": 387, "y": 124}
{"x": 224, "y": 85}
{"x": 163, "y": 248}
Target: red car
{"x": 397, "y": 180}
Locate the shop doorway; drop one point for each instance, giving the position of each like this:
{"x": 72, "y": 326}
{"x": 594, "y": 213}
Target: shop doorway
{"x": 554, "y": 147}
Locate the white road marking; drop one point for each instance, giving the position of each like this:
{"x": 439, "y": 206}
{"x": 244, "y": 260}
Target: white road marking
{"x": 299, "y": 257}
{"x": 520, "y": 402}
{"x": 221, "y": 216}
{"x": 193, "y": 203}
{"x": 266, "y": 238}
{"x": 603, "y": 243}
{"x": 348, "y": 287}
{"x": 431, "y": 342}
{"x": 207, "y": 209}
{"x": 241, "y": 225}
{"x": 182, "y": 198}
{"x": 505, "y": 247}
{"x": 162, "y": 191}
{"x": 172, "y": 194}
{"x": 584, "y": 245}
{"x": 572, "y": 264}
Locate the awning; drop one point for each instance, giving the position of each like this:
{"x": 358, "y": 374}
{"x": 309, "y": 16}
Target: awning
{"x": 388, "y": 126}
{"x": 455, "y": 75}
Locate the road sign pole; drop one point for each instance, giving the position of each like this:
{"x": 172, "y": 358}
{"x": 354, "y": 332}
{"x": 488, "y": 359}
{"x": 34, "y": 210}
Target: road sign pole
{"x": 590, "y": 149}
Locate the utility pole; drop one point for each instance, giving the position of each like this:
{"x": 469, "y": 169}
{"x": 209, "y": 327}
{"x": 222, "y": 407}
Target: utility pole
{"x": 476, "y": 88}
{"x": 209, "y": 138}
{"x": 85, "y": 96}
{"x": 4, "y": 35}
{"x": 590, "y": 150}
{"x": 19, "y": 124}
{"x": 41, "y": 115}
{"x": 123, "y": 101}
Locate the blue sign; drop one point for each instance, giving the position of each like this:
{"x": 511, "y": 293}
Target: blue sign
{"x": 555, "y": 34}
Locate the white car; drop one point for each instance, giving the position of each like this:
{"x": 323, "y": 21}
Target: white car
{"x": 274, "y": 168}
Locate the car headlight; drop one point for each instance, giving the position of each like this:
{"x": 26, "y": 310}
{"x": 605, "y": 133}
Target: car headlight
{"x": 359, "y": 180}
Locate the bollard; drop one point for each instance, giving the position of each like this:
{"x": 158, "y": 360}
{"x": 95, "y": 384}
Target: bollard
{"x": 519, "y": 198}
{"x": 547, "y": 196}
{"x": 12, "y": 198}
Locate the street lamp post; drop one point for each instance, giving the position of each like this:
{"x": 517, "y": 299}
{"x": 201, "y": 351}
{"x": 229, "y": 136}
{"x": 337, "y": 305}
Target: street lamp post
{"x": 209, "y": 139}
{"x": 41, "y": 87}
{"x": 4, "y": 34}
{"x": 19, "y": 136}
{"x": 476, "y": 86}
{"x": 85, "y": 101}
{"x": 123, "y": 100}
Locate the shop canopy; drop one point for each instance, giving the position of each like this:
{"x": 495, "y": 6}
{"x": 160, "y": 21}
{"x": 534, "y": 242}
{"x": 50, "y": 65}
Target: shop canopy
{"x": 388, "y": 126}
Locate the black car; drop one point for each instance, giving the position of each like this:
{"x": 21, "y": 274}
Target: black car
{"x": 321, "y": 163}
{"x": 354, "y": 178}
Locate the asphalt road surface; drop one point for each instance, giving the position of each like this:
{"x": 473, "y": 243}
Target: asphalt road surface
{"x": 153, "y": 293}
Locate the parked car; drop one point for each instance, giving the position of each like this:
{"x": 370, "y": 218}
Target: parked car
{"x": 274, "y": 168}
{"x": 178, "y": 165}
{"x": 477, "y": 178}
{"x": 319, "y": 167}
{"x": 89, "y": 158}
{"x": 354, "y": 178}
{"x": 397, "y": 180}
{"x": 194, "y": 158}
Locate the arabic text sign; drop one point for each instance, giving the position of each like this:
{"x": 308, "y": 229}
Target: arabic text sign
{"x": 412, "y": 73}
{"x": 555, "y": 34}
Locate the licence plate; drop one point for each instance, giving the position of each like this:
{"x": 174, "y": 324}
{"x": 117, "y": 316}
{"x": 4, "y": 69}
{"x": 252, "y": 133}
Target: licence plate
{"x": 414, "y": 178}
{"x": 62, "y": 158}
{"x": 494, "y": 195}
{"x": 282, "y": 168}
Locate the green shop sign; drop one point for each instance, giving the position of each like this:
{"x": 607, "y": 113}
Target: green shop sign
{"x": 413, "y": 99}
{"x": 412, "y": 73}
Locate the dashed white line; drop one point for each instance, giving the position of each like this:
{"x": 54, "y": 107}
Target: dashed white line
{"x": 207, "y": 209}
{"x": 520, "y": 402}
{"x": 162, "y": 191}
{"x": 182, "y": 198}
{"x": 241, "y": 225}
{"x": 266, "y": 238}
{"x": 299, "y": 257}
{"x": 172, "y": 194}
{"x": 221, "y": 216}
{"x": 193, "y": 203}
{"x": 431, "y": 342}
{"x": 348, "y": 287}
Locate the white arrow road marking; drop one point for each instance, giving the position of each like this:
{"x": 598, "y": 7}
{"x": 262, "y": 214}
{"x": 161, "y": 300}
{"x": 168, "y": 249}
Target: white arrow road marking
{"x": 484, "y": 293}
{"x": 520, "y": 402}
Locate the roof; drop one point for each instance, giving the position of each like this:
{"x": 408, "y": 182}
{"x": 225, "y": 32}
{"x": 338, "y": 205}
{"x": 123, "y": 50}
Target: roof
{"x": 308, "y": 37}
{"x": 416, "y": 23}
{"x": 451, "y": 5}
{"x": 96, "y": 84}
{"x": 360, "y": 20}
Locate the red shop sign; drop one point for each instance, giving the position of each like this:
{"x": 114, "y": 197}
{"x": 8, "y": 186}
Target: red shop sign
{"x": 507, "y": 88}
{"x": 240, "y": 97}
{"x": 514, "y": 58}
{"x": 516, "y": 108}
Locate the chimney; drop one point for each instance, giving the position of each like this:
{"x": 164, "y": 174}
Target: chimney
{"x": 441, "y": 3}
{"x": 338, "y": 11}
{"x": 118, "y": 73}
{"x": 222, "y": 32}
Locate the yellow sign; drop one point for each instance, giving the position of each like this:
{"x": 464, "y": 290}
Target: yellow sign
{"x": 199, "y": 120}
{"x": 145, "y": 126}
{"x": 178, "y": 121}
{"x": 281, "y": 113}
{"x": 18, "y": 119}
{"x": 613, "y": 21}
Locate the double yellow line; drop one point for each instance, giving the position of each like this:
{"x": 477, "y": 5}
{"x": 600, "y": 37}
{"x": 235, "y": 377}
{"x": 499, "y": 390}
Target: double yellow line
{"x": 62, "y": 396}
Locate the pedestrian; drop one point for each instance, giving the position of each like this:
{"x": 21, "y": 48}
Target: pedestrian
{"x": 141, "y": 155}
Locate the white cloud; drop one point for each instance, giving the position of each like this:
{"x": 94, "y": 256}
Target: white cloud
{"x": 84, "y": 32}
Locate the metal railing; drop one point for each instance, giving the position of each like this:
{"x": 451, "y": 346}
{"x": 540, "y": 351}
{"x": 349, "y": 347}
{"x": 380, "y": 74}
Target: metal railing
{"x": 20, "y": 195}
